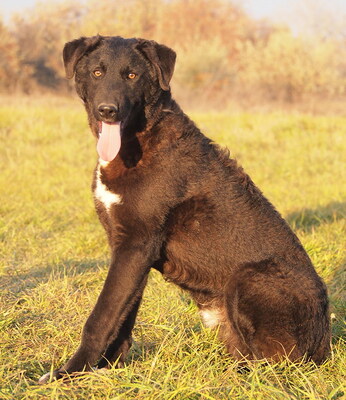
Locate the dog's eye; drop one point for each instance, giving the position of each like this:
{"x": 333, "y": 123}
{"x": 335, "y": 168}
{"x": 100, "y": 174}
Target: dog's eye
{"x": 131, "y": 75}
{"x": 97, "y": 73}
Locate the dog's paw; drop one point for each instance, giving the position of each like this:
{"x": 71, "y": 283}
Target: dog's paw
{"x": 50, "y": 377}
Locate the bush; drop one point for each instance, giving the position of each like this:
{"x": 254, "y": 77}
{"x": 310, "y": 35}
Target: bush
{"x": 289, "y": 68}
{"x": 223, "y": 54}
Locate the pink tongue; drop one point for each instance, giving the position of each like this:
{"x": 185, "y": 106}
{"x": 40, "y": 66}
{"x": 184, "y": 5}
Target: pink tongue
{"x": 109, "y": 142}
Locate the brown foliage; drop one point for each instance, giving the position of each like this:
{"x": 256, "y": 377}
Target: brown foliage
{"x": 9, "y": 63}
{"x": 222, "y": 52}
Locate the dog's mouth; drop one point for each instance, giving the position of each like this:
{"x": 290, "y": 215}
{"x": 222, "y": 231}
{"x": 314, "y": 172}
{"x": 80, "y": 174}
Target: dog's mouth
{"x": 109, "y": 141}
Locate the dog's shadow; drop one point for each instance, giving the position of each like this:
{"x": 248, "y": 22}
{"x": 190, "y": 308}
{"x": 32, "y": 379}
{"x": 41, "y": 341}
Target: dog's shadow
{"x": 24, "y": 281}
{"x": 307, "y": 220}
{"x": 304, "y": 220}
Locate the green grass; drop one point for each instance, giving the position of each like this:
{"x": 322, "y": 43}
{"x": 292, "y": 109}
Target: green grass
{"x": 54, "y": 257}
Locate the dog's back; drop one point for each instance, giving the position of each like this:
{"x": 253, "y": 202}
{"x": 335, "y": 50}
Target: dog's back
{"x": 229, "y": 247}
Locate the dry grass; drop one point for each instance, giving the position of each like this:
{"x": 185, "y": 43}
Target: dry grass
{"x": 54, "y": 258}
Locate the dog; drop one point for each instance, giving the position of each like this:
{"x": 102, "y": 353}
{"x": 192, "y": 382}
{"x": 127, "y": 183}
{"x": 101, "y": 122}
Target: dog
{"x": 172, "y": 200}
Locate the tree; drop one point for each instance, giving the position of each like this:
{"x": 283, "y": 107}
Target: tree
{"x": 40, "y": 37}
{"x": 9, "y": 64}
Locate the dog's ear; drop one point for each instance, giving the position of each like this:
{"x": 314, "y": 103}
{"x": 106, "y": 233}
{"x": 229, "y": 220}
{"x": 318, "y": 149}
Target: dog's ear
{"x": 74, "y": 51}
{"x": 162, "y": 57}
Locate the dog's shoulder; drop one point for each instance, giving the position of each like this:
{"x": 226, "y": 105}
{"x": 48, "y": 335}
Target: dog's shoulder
{"x": 198, "y": 154}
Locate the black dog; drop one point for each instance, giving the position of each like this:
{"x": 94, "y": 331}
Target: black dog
{"x": 170, "y": 199}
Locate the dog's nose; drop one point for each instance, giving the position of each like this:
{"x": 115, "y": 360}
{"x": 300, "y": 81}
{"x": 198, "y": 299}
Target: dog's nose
{"x": 107, "y": 111}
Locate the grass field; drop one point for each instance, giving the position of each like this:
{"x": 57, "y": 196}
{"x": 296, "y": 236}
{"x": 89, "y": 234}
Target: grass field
{"x": 54, "y": 258}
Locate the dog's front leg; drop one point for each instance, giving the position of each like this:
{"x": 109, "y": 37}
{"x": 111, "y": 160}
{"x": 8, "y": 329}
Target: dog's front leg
{"x": 117, "y": 350}
{"x": 125, "y": 278}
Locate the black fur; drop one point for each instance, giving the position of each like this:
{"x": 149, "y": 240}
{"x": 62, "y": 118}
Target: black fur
{"x": 193, "y": 214}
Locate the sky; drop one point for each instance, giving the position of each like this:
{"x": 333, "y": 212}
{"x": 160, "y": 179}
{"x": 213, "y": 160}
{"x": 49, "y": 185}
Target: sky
{"x": 276, "y": 8}
{"x": 272, "y": 9}
{"x": 258, "y": 8}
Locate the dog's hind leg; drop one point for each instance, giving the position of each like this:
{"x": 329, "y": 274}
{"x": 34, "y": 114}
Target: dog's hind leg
{"x": 273, "y": 313}
{"x": 216, "y": 316}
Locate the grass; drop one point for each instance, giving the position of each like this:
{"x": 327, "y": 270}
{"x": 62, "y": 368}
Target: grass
{"x": 54, "y": 257}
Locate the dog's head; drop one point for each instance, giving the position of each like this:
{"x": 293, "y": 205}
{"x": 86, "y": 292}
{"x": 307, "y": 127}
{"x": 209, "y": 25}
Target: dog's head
{"x": 118, "y": 79}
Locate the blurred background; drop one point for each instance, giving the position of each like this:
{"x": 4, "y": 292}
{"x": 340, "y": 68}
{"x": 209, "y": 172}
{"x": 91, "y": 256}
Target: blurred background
{"x": 247, "y": 54}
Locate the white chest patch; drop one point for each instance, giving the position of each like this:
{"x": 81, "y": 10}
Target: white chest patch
{"x": 103, "y": 194}
{"x": 211, "y": 317}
